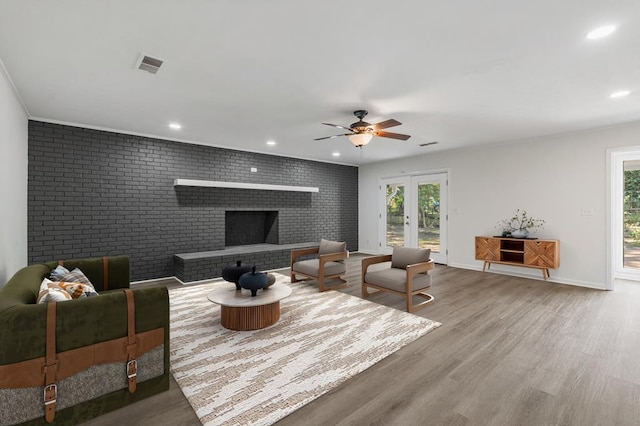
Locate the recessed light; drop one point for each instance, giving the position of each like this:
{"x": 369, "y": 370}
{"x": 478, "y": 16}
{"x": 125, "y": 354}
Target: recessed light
{"x": 271, "y": 142}
{"x": 619, "y": 94}
{"x": 601, "y": 32}
{"x": 175, "y": 126}
{"x": 336, "y": 154}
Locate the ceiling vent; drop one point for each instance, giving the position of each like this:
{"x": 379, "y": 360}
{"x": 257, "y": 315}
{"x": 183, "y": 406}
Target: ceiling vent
{"x": 149, "y": 64}
{"x": 429, "y": 143}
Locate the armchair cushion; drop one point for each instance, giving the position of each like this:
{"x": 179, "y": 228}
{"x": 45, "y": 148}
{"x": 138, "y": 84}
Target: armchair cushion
{"x": 403, "y": 256}
{"x": 312, "y": 267}
{"x": 327, "y": 247}
{"x": 395, "y": 279}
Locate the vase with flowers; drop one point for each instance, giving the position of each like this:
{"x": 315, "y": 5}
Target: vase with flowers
{"x": 520, "y": 225}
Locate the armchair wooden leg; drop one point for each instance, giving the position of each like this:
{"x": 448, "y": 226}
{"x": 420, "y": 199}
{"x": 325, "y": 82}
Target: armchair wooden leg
{"x": 321, "y": 286}
{"x": 366, "y": 293}
{"x": 294, "y": 279}
{"x": 412, "y": 308}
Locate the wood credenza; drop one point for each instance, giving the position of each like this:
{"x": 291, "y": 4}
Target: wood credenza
{"x": 529, "y": 253}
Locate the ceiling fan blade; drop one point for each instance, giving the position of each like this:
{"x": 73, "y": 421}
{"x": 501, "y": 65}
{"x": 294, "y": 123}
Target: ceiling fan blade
{"x": 386, "y": 124}
{"x": 392, "y": 135}
{"x": 331, "y": 137}
{"x": 335, "y": 125}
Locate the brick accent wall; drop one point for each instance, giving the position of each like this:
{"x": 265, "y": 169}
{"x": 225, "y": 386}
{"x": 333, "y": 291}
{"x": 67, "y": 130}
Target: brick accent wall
{"x": 95, "y": 193}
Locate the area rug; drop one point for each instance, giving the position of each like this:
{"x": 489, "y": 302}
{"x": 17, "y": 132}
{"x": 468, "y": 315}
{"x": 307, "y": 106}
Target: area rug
{"x": 258, "y": 377}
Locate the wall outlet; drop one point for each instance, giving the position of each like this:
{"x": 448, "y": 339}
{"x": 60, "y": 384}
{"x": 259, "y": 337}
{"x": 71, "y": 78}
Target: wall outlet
{"x": 254, "y": 170}
{"x": 587, "y": 212}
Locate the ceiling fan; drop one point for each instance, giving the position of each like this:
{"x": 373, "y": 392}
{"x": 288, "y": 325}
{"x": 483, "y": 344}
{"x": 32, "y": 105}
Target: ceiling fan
{"x": 362, "y": 132}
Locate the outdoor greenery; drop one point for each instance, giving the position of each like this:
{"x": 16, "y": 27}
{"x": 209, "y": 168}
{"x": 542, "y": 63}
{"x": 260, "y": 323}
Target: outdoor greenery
{"x": 632, "y": 207}
{"x": 428, "y": 204}
{"x": 428, "y": 214}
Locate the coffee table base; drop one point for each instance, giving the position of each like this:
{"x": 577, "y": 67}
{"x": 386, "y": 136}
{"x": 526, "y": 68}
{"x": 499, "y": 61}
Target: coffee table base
{"x": 249, "y": 317}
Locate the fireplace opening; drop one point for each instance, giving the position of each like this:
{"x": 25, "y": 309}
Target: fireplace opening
{"x": 250, "y": 227}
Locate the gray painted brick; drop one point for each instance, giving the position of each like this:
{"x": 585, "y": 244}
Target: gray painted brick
{"x": 95, "y": 193}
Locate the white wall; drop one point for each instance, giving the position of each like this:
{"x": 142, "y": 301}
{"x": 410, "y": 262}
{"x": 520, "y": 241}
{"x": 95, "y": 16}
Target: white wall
{"x": 13, "y": 180}
{"x": 553, "y": 178}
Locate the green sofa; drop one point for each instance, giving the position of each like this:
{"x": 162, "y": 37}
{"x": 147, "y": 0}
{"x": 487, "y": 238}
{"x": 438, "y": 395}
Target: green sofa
{"x": 80, "y": 324}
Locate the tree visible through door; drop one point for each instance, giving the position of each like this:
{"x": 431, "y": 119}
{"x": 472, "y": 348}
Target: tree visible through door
{"x": 631, "y": 214}
{"x": 429, "y": 216}
{"x": 395, "y": 215}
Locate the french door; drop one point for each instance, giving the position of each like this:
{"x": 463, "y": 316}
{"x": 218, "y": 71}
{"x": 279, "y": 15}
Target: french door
{"x": 625, "y": 214}
{"x": 414, "y": 214}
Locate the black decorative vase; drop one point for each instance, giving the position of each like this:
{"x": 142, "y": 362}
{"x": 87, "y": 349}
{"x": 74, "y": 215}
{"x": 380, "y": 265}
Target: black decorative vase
{"x": 253, "y": 281}
{"x": 233, "y": 273}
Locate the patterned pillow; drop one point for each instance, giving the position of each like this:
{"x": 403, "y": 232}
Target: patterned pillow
{"x": 49, "y": 291}
{"x": 52, "y": 292}
{"x": 77, "y": 290}
{"x": 75, "y": 276}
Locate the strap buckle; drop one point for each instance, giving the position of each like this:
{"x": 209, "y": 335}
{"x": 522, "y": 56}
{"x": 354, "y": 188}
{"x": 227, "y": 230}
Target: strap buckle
{"x": 50, "y": 394}
{"x": 132, "y": 369}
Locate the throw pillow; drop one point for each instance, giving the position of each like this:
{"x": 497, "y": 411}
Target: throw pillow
{"x": 327, "y": 246}
{"x": 75, "y": 276}
{"x": 77, "y": 290}
{"x": 58, "y": 272}
{"x": 51, "y": 292}
{"x": 403, "y": 256}
{"x": 73, "y": 290}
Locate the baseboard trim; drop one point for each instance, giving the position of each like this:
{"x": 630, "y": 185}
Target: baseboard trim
{"x": 495, "y": 269}
{"x": 368, "y": 253}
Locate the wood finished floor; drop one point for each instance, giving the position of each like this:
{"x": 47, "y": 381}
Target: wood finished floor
{"x": 511, "y": 351}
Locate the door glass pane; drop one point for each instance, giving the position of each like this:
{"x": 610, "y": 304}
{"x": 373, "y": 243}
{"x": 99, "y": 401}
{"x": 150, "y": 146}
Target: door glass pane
{"x": 429, "y": 216}
{"x": 395, "y": 215}
{"x": 631, "y": 212}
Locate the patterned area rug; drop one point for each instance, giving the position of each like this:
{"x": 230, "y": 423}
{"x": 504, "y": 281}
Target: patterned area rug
{"x": 258, "y": 377}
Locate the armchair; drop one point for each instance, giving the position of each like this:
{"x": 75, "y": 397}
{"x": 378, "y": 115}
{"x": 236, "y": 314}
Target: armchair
{"x": 407, "y": 276}
{"x": 329, "y": 264}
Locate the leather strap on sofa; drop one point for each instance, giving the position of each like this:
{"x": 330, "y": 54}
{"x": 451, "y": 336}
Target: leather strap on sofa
{"x": 105, "y": 273}
{"x": 132, "y": 342}
{"x": 47, "y": 370}
{"x": 50, "y": 393}
{"x": 30, "y": 373}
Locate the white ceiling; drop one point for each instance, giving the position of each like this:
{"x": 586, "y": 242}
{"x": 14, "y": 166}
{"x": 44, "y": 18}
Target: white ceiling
{"x": 240, "y": 72}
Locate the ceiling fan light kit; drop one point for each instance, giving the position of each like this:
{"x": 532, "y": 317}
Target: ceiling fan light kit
{"x": 362, "y": 132}
{"x": 360, "y": 139}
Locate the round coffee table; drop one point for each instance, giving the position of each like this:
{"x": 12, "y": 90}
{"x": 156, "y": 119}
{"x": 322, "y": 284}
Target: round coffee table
{"x": 240, "y": 311}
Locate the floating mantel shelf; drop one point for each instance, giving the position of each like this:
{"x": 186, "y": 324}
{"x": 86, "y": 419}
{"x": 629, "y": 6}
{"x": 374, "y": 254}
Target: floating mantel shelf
{"x": 242, "y": 185}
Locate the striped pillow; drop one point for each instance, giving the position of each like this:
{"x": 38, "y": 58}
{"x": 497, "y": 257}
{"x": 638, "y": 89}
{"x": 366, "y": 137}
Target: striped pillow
{"x": 75, "y": 276}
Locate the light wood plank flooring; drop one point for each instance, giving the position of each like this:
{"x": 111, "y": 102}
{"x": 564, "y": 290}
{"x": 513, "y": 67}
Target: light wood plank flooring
{"x": 511, "y": 351}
